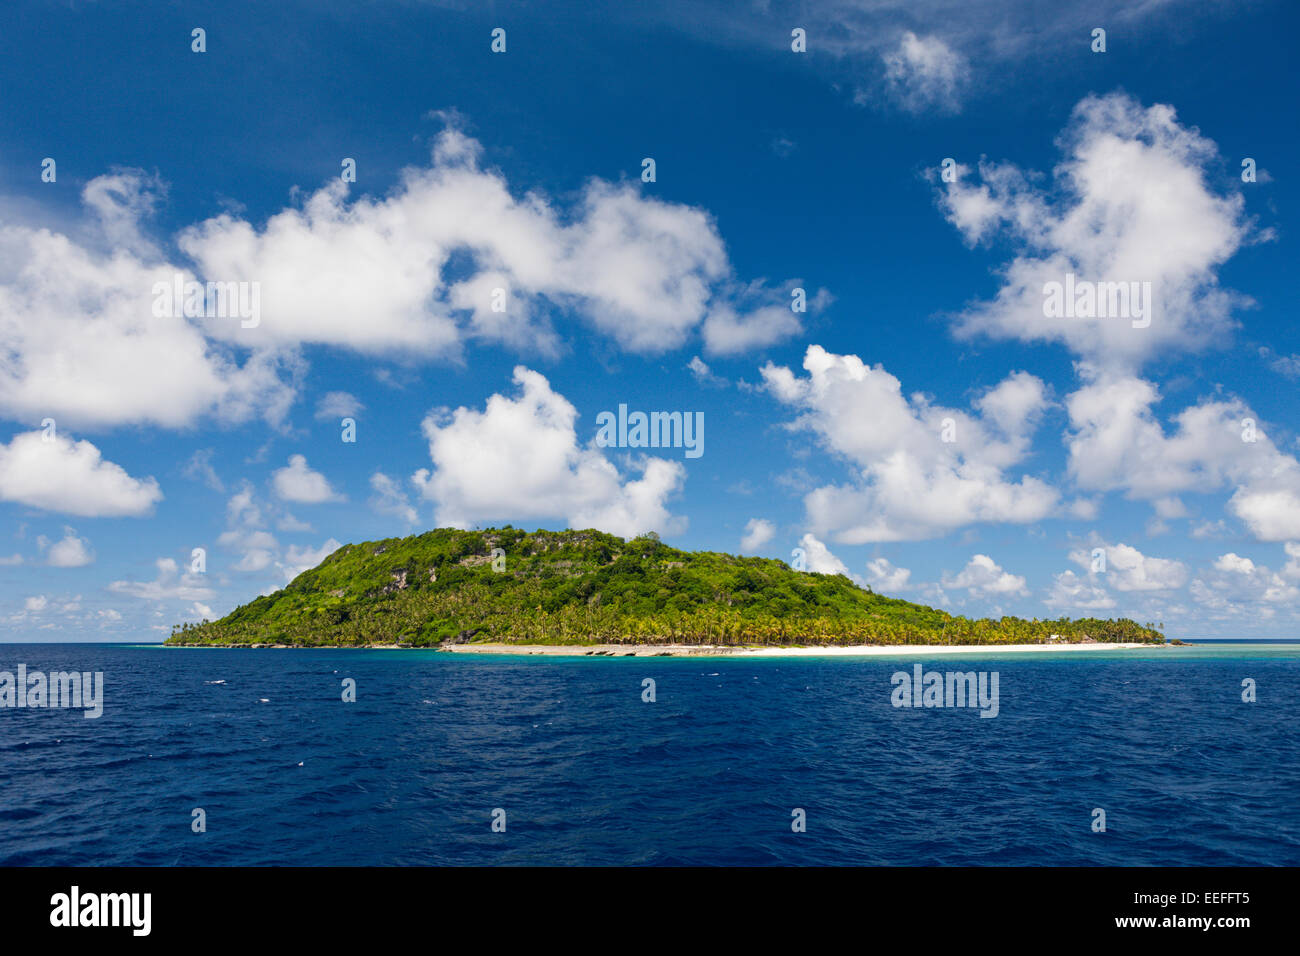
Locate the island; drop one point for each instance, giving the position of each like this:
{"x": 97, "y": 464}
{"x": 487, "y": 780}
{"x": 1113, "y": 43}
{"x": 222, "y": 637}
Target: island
{"x": 587, "y": 592}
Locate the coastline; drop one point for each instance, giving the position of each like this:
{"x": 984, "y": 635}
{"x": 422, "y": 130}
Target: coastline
{"x": 697, "y": 650}
{"x": 701, "y": 650}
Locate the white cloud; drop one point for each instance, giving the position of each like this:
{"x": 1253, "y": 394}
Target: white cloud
{"x": 643, "y": 271}
{"x": 1170, "y": 507}
{"x": 1270, "y": 514}
{"x": 70, "y": 552}
{"x": 924, "y": 73}
{"x": 1117, "y": 444}
{"x": 410, "y": 275}
{"x": 170, "y": 584}
{"x": 1238, "y": 587}
{"x": 1070, "y": 591}
{"x": 84, "y": 344}
{"x": 1231, "y": 563}
{"x": 199, "y": 468}
{"x": 257, "y": 549}
{"x": 121, "y": 201}
{"x": 71, "y": 477}
{"x": 727, "y": 332}
{"x": 886, "y": 578}
{"x": 1132, "y": 203}
{"x": 242, "y": 508}
{"x": 850, "y": 37}
{"x": 245, "y": 532}
{"x": 288, "y": 523}
{"x": 984, "y": 577}
{"x": 521, "y": 459}
{"x": 389, "y": 498}
{"x": 298, "y": 483}
{"x": 37, "y": 602}
{"x": 911, "y": 483}
{"x": 1210, "y": 529}
{"x": 1128, "y": 569}
{"x": 758, "y": 532}
{"x": 338, "y": 405}
{"x": 704, "y": 375}
{"x": 819, "y": 559}
{"x": 1288, "y": 365}
{"x": 1085, "y": 509}
{"x": 300, "y": 559}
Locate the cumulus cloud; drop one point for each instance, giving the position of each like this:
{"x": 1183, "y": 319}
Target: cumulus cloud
{"x": 886, "y": 578}
{"x": 758, "y": 532}
{"x": 911, "y": 483}
{"x": 337, "y": 405}
{"x": 1237, "y": 587}
{"x": 299, "y": 559}
{"x": 169, "y": 584}
{"x": 412, "y": 275}
{"x": 243, "y": 509}
{"x": 299, "y": 483}
{"x": 85, "y": 345}
{"x": 57, "y": 474}
{"x": 245, "y": 532}
{"x": 754, "y": 317}
{"x": 1128, "y": 569}
{"x": 257, "y": 548}
{"x": 1232, "y": 563}
{"x": 819, "y": 559}
{"x": 1070, "y": 591}
{"x": 924, "y": 73}
{"x": 984, "y": 577}
{"x": 122, "y": 201}
{"x": 1132, "y": 202}
{"x": 1116, "y": 443}
{"x": 69, "y": 552}
{"x": 521, "y": 458}
{"x": 1271, "y": 514}
{"x": 452, "y": 253}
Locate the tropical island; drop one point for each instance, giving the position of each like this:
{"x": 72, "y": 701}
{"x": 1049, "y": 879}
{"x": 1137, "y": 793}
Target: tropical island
{"x": 505, "y": 588}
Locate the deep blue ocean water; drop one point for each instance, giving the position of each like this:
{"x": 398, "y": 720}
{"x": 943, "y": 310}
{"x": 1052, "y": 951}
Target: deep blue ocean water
{"x": 709, "y": 773}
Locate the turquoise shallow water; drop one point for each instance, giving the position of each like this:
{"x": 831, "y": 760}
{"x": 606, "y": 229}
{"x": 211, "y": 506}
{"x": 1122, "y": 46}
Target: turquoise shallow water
{"x": 710, "y": 772}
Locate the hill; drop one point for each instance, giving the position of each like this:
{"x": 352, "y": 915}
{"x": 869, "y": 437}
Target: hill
{"x": 587, "y": 587}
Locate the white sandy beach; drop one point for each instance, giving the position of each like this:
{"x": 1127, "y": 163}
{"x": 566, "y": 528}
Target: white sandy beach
{"x": 697, "y": 650}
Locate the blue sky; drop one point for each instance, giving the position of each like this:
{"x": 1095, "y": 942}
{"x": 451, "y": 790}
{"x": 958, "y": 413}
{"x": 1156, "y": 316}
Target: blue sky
{"x": 774, "y": 170}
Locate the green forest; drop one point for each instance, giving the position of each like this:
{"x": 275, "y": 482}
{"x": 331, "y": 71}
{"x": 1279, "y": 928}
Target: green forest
{"x": 587, "y": 587}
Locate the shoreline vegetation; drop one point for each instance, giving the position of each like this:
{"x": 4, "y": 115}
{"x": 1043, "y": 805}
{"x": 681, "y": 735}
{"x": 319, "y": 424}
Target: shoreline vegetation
{"x": 702, "y": 650}
{"x": 589, "y": 593}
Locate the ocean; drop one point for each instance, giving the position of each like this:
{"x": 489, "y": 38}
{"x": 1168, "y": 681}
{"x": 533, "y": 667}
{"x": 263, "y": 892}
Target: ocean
{"x": 579, "y": 769}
